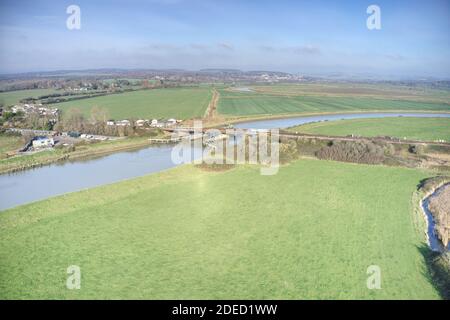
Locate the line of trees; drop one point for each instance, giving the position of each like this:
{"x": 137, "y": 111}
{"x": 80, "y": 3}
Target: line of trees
{"x": 75, "y": 120}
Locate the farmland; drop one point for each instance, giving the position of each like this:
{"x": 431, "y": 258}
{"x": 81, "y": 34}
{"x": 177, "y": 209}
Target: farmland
{"x": 248, "y": 104}
{"x": 12, "y": 97}
{"x": 180, "y": 103}
{"x": 380, "y": 91}
{"x": 189, "y": 233}
{"x": 428, "y": 129}
{"x": 330, "y": 97}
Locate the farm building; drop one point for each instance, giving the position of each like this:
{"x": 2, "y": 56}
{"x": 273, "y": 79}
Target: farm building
{"x": 171, "y": 122}
{"x": 140, "y": 123}
{"x": 123, "y": 123}
{"x": 43, "y": 142}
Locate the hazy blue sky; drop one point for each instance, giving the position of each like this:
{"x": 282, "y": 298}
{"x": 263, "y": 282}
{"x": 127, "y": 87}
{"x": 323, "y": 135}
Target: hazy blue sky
{"x": 310, "y": 37}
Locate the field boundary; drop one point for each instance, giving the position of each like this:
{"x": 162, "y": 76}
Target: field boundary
{"x": 211, "y": 110}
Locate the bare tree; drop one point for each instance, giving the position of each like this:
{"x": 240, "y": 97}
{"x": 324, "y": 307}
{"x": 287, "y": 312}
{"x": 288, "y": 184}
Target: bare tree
{"x": 99, "y": 114}
{"x": 74, "y": 119}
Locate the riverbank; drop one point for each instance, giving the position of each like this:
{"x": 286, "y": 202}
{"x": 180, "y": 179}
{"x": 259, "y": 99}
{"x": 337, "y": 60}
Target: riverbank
{"x": 24, "y": 162}
{"x": 440, "y": 208}
{"x": 223, "y": 120}
{"x": 80, "y": 152}
{"x": 404, "y": 128}
{"x": 237, "y": 119}
{"x": 437, "y": 259}
{"x": 435, "y": 204}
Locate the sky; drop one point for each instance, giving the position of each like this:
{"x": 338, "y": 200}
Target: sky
{"x": 302, "y": 37}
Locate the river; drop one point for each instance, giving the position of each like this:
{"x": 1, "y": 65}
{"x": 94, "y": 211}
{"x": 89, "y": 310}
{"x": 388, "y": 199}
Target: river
{"x": 43, "y": 182}
{"x": 433, "y": 240}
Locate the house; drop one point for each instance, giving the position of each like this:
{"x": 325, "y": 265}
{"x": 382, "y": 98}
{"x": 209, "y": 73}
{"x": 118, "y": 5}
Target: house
{"x": 123, "y": 123}
{"x": 42, "y": 142}
{"x": 171, "y": 122}
{"x": 17, "y": 108}
{"x": 110, "y": 123}
{"x": 36, "y": 109}
{"x": 154, "y": 123}
{"x": 140, "y": 123}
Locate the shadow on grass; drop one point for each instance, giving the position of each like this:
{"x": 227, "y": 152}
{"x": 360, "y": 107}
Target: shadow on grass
{"x": 437, "y": 270}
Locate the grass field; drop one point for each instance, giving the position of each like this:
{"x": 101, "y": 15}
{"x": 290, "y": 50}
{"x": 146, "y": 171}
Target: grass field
{"x": 9, "y": 143}
{"x": 12, "y": 97}
{"x": 247, "y": 104}
{"x": 429, "y": 129}
{"x": 382, "y": 91}
{"x": 311, "y": 231}
{"x": 179, "y": 103}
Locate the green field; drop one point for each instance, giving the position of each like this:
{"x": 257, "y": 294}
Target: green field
{"x": 382, "y": 91}
{"x": 179, "y": 103}
{"x": 247, "y": 104}
{"x": 429, "y": 129}
{"x": 12, "y": 97}
{"x": 9, "y": 143}
{"x": 311, "y": 231}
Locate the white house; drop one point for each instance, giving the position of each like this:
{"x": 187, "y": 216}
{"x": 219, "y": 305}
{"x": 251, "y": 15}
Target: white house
{"x": 123, "y": 123}
{"x": 154, "y": 123}
{"x": 171, "y": 122}
{"x": 110, "y": 123}
{"x": 43, "y": 142}
{"x": 140, "y": 123}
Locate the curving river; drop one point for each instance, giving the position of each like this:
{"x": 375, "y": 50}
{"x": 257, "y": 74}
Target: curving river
{"x": 36, "y": 184}
{"x": 434, "y": 242}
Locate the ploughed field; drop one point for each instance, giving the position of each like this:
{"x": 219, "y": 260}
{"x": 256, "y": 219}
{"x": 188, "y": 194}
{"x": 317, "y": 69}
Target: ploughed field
{"x": 310, "y": 231}
{"x": 178, "y": 103}
{"x": 429, "y": 129}
{"x": 285, "y": 99}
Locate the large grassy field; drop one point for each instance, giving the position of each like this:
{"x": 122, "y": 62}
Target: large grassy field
{"x": 179, "y": 103}
{"x": 12, "y": 97}
{"x": 383, "y": 91}
{"x": 9, "y": 143}
{"x": 247, "y": 104}
{"x": 429, "y": 129}
{"x": 311, "y": 231}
